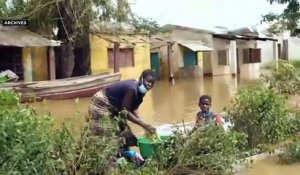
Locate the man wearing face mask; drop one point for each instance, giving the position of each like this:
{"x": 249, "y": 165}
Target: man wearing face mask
{"x": 126, "y": 95}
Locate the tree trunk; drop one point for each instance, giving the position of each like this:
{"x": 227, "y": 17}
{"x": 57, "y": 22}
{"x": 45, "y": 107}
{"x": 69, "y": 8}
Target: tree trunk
{"x": 66, "y": 55}
{"x": 82, "y": 56}
{"x": 67, "y": 60}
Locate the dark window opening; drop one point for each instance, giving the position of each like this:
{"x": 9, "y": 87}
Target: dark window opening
{"x": 11, "y": 58}
{"x": 251, "y": 56}
{"x": 279, "y": 51}
{"x": 223, "y": 58}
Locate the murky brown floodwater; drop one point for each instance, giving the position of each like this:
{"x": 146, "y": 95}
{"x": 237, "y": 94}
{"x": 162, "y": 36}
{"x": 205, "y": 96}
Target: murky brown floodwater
{"x": 164, "y": 104}
{"x": 270, "y": 166}
{"x": 167, "y": 104}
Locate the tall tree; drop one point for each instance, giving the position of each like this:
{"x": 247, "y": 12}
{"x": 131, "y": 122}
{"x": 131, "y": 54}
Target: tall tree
{"x": 288, "y": 20}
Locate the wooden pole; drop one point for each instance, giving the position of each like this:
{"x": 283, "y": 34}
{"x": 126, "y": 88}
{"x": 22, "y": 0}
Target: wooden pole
{"x": 171, "y": 76}
{"x": 51, "y": 63}
{"x": 116, "y": 55}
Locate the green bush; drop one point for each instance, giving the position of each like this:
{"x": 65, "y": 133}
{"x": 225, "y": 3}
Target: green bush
{"x": 29, "y": 145}
{"x": 296, "y": 63}
{"x": 261, "y": 114}
{"x": 25, "y": 141}
{"x": 209, "y": 150}
{"x": 7, "y": 98}
{"x": 285, "y": 78}
{"x": 291, "y": 152}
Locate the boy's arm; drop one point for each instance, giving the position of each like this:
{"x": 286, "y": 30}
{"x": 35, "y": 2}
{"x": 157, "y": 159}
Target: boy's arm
{"x": 218, "y": 119}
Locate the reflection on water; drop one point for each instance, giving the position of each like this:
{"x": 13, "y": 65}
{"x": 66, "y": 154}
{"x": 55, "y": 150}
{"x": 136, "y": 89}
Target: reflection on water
{"x": 165, "y": 104}
{"x": 270, "y": 166}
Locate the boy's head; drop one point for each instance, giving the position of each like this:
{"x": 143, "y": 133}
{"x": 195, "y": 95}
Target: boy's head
{"x": 204, "y": 103}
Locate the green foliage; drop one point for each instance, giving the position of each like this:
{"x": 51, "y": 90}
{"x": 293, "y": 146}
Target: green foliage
{"x": 151, "y": 167}
{"x": 7, "y": 98}
{"x": 75, "y": 16}
{"x": 208, "y": 150}
{"x": 277, "y": 25}
{"x": 145, "y": 24}
{"x": 97, "y": 153}
{"x": 285, "y": 78}
{"x": 169, "y": 150}
{"x": 291, "y": 152}
{"x": 292, "y": 149}
{"x": 287, "y": 20}
{"x": 25, "y": 143}
{"x": 261, "y": 114}
{"x": 296, "y": 63}
{"x": 30, "y": 146}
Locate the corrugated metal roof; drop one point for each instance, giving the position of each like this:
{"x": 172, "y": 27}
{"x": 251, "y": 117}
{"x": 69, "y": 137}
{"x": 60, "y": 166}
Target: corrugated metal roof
{"x": 171, "y": 27}
{"x": 195, "y": 45}
{"x": 20, "y": 37}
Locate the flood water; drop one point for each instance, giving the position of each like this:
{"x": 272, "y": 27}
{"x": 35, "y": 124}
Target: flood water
{"x": 167, "y": 104}
{"x": 270, "y": 166}
{"x": 164, "y": 104}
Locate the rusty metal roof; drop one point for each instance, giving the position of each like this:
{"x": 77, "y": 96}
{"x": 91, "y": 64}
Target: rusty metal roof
{"x": 20, "y": 37}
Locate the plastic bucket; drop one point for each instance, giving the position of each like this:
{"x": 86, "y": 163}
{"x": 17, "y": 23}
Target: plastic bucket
{"x": 147, "y": 148}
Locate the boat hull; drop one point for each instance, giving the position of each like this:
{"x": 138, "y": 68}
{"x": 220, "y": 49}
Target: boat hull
{"x": 75, "y": 87}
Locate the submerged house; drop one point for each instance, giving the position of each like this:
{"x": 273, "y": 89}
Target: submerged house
{"x": 288, "y": 47}
{"x": 191, "y": 49}
{"x": 29, "y": 55}
{"x": 247, "y": 50}
{"x": 198, "y": 52}
{"x": 116, "y": 47}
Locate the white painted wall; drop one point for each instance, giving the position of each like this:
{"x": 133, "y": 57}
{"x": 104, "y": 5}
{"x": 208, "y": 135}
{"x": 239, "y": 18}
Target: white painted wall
{"x": 220, "y": 44}
{"x": 294, "y": 48}
{"x": 267, "y": 52}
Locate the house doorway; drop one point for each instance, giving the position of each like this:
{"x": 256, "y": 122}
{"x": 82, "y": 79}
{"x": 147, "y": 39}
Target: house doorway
{"x": 155, "y": 64}
{"x": 11, "y": 58}
{"x": 207, "y": 64}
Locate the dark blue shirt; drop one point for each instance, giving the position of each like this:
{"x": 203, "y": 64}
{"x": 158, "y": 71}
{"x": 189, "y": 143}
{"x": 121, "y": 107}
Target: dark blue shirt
{"x": 117, "y": 92}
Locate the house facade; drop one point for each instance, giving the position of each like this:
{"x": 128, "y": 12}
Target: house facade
{"x": 133, "y": 55}
{"x": 192, "y": 49}
{"x": 198, "y": 52}
{"x": 289, "y": 48}
{"x": 29, "y": 55}
{"x": 248, "y": 51}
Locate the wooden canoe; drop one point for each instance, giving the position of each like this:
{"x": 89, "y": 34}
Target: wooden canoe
{"x": 82, "y": 86}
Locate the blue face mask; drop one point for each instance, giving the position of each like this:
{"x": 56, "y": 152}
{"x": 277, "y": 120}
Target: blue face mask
{"x": 142, "y": 88}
